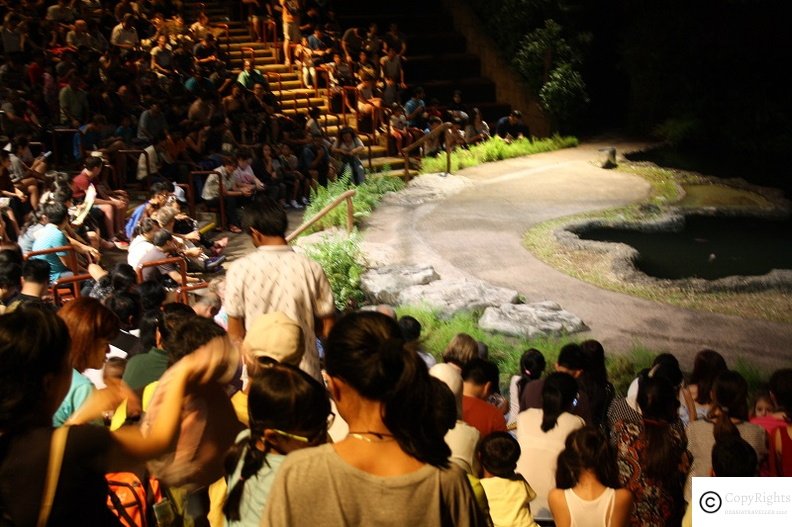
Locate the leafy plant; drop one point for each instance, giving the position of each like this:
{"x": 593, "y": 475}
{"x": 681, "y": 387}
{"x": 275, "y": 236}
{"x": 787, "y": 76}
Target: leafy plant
{"x": 564, "y": 95}
{"x": 341, "y": 260}
{"x": 369, "y": 193}
{"x": 495, "y": 149}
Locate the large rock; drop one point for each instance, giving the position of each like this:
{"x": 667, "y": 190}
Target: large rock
{"x": 428, "y": 188}
{"x": 542, "y": 319}
{"x": 449, "y": 297}
{"x": 383, "y": 285}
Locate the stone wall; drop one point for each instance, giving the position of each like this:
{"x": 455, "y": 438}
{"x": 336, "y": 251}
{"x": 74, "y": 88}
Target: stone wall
{"x": 509, "y": 87}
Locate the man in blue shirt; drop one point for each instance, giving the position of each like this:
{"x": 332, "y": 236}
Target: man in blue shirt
{"x": 414, "y": 109}
{"x": 51, "y": 236}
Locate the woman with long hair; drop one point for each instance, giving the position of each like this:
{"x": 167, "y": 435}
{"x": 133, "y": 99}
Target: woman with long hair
{"x": 287, "y": 410}
{"x": 91, "y": 327}
{"x": 393, "y": 467}
{"x": 594, "y": 382}
{"x": 707, "y": 365}
{"x": 541, "y": 434}
{"x": 652, "y": 456}
{"x": 35, "y": 377}
{"x": 728, "y": 417}
{"x": 588, "y": 493}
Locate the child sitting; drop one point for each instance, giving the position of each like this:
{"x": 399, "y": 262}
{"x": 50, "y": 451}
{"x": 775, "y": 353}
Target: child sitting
{"x": 287, "y": 410}
{"x": 587, "y": 492}
{"x": 508, "y": 494}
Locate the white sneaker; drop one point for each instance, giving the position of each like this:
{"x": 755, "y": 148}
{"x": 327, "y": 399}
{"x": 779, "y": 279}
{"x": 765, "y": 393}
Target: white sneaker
{"x": 305, "y": 200}
{"x": 296, "y": 205}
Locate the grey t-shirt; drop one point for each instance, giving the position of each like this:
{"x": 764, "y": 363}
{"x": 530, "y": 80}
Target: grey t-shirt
{"x": 316, "y": 487}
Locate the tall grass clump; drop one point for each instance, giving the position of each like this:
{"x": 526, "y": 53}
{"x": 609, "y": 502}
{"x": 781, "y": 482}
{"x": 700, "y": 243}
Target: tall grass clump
{"x": 369, "y": 193}
{"x": 495, "y": 149}
{"x": 341, "y": 260}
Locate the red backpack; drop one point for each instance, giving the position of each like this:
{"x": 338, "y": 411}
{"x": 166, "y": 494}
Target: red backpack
{"x": 139, "y": 501}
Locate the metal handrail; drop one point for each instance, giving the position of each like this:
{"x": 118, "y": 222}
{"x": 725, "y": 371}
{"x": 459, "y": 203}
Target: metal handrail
{"x": 71, "y": 255}
{"x": 69, "y": 282}
{"x": 278, "y": 78}
{"x": 181, "y": 263}
{"x": 248, "y": 49}
{"x": 346, "y": 196}
{"x": 443, "y": 128}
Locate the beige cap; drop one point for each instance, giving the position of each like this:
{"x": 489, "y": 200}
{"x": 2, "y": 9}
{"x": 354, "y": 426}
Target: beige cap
{"x": 276, "y": 336}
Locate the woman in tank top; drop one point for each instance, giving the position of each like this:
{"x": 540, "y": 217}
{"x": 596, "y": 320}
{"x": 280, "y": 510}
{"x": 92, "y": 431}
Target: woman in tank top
{"x": 587, "y": 493}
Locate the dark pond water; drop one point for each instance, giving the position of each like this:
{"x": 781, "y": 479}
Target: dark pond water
{"x": 708, "y": 247}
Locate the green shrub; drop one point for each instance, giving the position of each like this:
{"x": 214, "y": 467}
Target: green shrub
{"x": 495, "y": 149}
{"x": 368, "y": 195}
{"x": 564, "y": 95}
{"x": 341, "y": 261}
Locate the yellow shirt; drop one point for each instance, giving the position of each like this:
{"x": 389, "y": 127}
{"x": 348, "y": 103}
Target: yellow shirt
{"x": 509, "y": 502}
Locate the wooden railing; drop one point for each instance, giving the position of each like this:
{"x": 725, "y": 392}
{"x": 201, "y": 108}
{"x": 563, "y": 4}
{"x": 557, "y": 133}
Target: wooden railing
{"x": 442, "y": 129}
{"x": 346, "y": 196}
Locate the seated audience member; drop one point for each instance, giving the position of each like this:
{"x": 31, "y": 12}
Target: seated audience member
{"x": 626, "y": 409}
{"x": 52, "y": 236}
{"x": 541, "y": 434}
{"x": 383, "y": 391}
{"x": 91, "y": 327}
{"x": 35, "y": 282}
{"x": 587, "y": 483}
{"x": 145, "y": 368}
{"x": 288, "y": 410}
{"x": 532, "y": 366}
{"x": 126, "y": 306}
{"x": 164, "y": 247}
{"x": 231, "y": 193}
{"x": 508, "y": 494}
{"x": 478, "y": 387}
{"x": 728, "y": 415}
{"x": 34, "y": 350}
{"x": 707, "y": 365}
{"x": 209, "y": 424}
{"x": 208, "y": 305}
{"x": 594, "y": 382}
{"x": 512, "y": 127}
{"x": 348, "y": 147}
{"x": 411, "y": 333}
{"x": 461, "y": 438}
{"x": 652, "y": 456}
{"x": 120, "y": 279}
{"x": 476, "y": 130}
{"x": 462, "y": 349}
{"x": 571, "y": 360}
{"x": 142, "y": 242}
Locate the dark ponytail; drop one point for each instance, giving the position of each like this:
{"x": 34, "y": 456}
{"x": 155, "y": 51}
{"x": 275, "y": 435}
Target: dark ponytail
{"x": 366, "y": 350}
{"x": 282, "y": 397}
{"x": 532, "y": 366}
{"x": 730, "y": 391}
{"x": 558, "y": 394}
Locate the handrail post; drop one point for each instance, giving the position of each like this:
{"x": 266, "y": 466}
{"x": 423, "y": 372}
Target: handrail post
{"x": 350, "y": 214}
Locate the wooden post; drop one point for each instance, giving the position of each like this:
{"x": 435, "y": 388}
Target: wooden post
{"x": 350, "y": 214}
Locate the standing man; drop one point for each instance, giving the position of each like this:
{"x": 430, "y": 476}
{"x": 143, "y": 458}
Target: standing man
{"x": 290, "y": 13}
{"x": 275, "y": 278}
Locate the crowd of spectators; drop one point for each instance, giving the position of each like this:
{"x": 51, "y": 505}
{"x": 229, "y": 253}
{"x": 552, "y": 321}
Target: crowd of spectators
{"x": 93, "y": 78}
{"x": 297, "y": 415}
{"x": 258, "y": 404}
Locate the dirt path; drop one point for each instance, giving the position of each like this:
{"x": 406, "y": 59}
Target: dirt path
{"x": 478, "y": 231}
